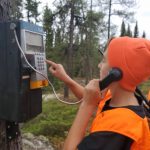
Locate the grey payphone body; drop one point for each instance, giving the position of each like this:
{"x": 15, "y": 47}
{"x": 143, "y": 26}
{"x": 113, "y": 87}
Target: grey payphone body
{"x": 20, "y": 87}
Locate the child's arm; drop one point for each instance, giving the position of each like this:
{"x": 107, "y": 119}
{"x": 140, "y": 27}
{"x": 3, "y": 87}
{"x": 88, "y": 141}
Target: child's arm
{"x": 58, "y": 71}
{"x": 91, "y": 98}
{"x": 78, "y": 129}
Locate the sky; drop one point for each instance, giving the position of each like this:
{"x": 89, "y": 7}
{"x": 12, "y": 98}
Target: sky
{"x": 142, "y": 16}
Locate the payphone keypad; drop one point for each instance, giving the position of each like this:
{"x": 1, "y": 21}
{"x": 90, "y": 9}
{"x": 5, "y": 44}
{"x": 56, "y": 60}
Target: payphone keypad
{"x": 40, "y": 61}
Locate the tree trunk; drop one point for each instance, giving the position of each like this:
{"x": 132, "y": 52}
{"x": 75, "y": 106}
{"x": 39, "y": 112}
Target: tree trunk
{"x": 70, "y": 49}
{"x": 8, "y": 142}
{"x": 88, "y": 68}
{"x": 109, "y": 17}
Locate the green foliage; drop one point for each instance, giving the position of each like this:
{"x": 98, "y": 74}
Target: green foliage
{"x": 32, "y": 10}
{"x": 125, "y": 32}
{"x": 123, "y": 29}
{"x": 54, "y": 121}
{"x": 47, "y": 25}
{"x": 87, "y": 54}
{"x": 28, "y": 7}
{"x": 129, "y": 32}
{"x": 54, "y": 51}
{"x": 144, "y": 34}
{"x": 17, "y": 6}
{"x": 145, "y": 87}
{"x": 136, "y": 30}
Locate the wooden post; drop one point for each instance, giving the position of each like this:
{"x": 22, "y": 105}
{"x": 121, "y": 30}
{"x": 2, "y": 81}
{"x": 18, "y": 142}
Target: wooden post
{"x": 10, "y": 138}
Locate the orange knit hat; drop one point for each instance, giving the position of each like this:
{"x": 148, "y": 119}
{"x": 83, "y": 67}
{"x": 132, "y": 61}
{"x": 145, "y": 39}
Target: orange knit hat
{"x": 132, "y": 56}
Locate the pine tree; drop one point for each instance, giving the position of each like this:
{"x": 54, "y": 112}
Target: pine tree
{"x": 129, "y": 32}
{"x": 123, "y": 29}
{"x": 35, "y": 13}
{"x": 28, "y": 7}
{"x": 123, "y": 11}
{"x": 144, "y": 34}
{"x": 58, "y": 37}
{"x": 136, "y": 30}
{"x": 17, "y": 6}
{"x": 32, "y": 10}
{"x": 47, "y": 25}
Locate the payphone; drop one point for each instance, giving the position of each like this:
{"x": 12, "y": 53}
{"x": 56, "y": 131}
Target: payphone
{"x": 20, "y": 86}
{"x": 33, "y": 45}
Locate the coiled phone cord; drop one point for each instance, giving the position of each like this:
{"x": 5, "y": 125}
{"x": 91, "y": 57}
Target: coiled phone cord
{"x": 54, "y": 91}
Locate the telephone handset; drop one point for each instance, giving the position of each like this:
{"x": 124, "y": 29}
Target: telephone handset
{"x": 115, "y": 74}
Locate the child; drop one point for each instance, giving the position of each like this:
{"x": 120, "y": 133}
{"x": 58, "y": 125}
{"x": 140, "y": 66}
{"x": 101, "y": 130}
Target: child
{"x": 120, "y": 122}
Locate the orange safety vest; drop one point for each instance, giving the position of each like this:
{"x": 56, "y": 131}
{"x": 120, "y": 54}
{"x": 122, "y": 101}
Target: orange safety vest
{"x": 123, "y": 121}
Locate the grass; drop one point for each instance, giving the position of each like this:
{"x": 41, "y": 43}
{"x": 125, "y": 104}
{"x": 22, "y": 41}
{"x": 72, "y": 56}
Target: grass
{"x": 145, "y": 87}
{"x": 54, "y": 122}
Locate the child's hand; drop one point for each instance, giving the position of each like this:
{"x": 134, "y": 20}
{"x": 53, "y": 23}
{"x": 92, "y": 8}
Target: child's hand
{"x": 92, "y": 94}
{"x": 58, "y": 71}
